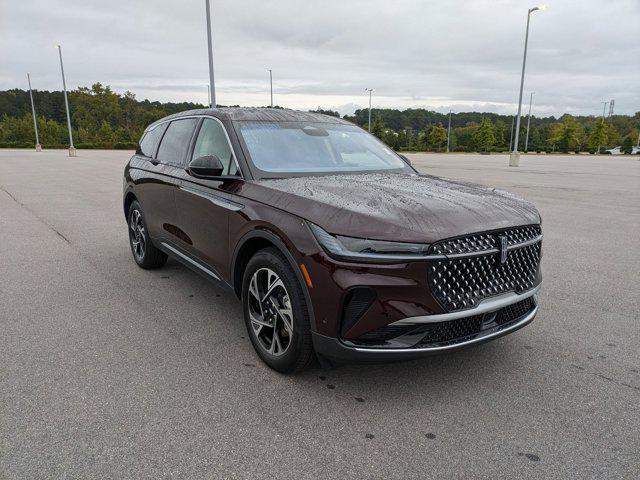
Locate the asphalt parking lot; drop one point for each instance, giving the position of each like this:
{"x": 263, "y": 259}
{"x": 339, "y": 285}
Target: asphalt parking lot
{"x": 110, "y": 371}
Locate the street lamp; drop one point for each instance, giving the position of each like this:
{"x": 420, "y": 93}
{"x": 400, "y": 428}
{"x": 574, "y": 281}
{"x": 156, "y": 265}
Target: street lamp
{"x": 72, "y": 149}
{"x": 513, "y": 119}
{"x": 271, "y": 84}
{"x": 370, "y": 90}
{"x": 604, "y": 109}
{"x": 33, "y": 110}
{"x": 514, "y": 157}
{"x": 449, "y": 131}
{"x": 526, "y": 142}
{"x": 212, "y": 101}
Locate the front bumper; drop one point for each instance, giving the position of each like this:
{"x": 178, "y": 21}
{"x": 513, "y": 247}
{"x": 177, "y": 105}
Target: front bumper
{"x": 345, "y": 350}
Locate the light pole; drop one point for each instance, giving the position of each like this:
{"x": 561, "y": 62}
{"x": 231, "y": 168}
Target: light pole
{"x": 514, "y": 157}
{"x": 72, "y": 149}
{"x": 604, "y": 109}
{"x": 370, "y": 90}
{"x": 271, "y": 84}
{"x": 33, "y": 111}
{"x": 208, "y": 95}
{"x": 513, "y": 119}
{"x": 526, "y": 142}
{"x": 449, "y": 131}
{"x": 212, "y": 100}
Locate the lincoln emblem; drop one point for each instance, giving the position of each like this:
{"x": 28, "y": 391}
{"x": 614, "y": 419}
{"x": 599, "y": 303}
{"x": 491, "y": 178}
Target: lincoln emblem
{"x": 502, "y": 241}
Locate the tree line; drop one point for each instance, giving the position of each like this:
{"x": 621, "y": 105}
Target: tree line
{"x": 102, "y": 118}
{"x": 425, "y": 130}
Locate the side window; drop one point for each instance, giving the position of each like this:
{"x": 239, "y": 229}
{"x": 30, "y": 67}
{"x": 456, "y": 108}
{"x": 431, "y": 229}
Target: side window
{"x": 213, "y": 141}
{"x": 175, "y": 142}
{"x": 150, "y": 140}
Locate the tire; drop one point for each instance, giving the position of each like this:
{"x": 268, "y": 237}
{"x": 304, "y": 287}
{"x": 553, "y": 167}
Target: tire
{"x": 145, "y": 253}
{"x": 290, "y": 349}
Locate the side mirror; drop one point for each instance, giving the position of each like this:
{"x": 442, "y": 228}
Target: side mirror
{"x": 405, "y": 159}
{"x": 207, "y": 166}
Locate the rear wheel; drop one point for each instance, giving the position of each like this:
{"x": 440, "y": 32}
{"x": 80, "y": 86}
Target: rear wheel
{"x": 276, "y": 312}
{"x": 144, "y": 251}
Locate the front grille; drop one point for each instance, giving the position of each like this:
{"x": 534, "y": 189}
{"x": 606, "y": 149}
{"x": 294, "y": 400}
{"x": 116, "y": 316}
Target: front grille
{"x": 485, "y": 241}
{"x": 446, "y": 333}
{"x": 449, "y": 332}
{"x": 459, "y": 283}
{"x": 514, "y": 311}
{"x": 386, "y": 333}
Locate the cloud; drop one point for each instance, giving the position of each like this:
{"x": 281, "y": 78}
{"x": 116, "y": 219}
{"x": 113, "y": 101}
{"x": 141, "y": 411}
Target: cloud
{"x": 456, "y": 54}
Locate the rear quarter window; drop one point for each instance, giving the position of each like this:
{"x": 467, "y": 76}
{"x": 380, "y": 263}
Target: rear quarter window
{"x": 150, "y": 139}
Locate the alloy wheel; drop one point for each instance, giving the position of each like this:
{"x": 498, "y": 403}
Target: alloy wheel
{"x": 137, "y": 234}
{"x": 270, "y": 312}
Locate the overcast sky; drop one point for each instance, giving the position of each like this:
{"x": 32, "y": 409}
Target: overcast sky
{"x": 464, "y": 55}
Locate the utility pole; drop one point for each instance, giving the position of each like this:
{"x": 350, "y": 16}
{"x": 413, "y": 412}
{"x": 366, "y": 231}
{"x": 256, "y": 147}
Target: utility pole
{"x": 271, "y": 84}
{"x": 514, "y": 157}
{"x": 212, "y": 101}
{"x": 370, "y": 90}
{"x": 449, "y": 131}
{"x": 72, "y": 149}
{"x": 208, "y": 95}
{"x": 526, "y": 142}
{"x": 33, "y": 111}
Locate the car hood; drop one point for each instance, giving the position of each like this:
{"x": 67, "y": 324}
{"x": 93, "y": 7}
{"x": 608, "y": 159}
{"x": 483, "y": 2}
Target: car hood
{"x": 410, "y": 208}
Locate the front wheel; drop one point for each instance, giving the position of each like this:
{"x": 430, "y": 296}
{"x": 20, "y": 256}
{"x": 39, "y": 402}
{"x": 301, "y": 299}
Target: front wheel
{"x": 276, "y": 313}
{"x": 144, "y": 252}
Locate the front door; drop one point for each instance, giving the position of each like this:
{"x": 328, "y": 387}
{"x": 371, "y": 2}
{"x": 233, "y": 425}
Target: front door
{"x": 202, "y": 206}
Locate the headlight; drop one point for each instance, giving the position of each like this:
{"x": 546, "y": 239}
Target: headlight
{"x": 365, "y": 250}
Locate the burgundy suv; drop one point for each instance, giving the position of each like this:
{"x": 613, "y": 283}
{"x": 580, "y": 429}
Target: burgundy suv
{"x": 336, "y": 246}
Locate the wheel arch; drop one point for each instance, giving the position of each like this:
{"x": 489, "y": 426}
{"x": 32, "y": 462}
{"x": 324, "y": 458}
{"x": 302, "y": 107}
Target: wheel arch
{"x": 129, "y": 198}
{"x": 251, "y": 243}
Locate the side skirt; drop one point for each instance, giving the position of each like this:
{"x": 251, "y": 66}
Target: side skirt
{"x": 194, "y": 264}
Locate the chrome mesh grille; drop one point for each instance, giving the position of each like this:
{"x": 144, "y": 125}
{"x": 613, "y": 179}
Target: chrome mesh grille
{"x": 485, "y": 241}
{"x": 462, "y": 282}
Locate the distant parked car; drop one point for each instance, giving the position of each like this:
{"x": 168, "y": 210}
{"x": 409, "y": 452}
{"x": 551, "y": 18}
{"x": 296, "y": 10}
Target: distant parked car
{"x": 613, "y": 151}
{"x": 635, "y": 150}
{"x": 335, "y": 244}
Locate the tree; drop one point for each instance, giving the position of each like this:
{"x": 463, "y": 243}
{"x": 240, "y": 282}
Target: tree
{"x": 567, "y": 134}
{"x": 437, "y": 136}
{"x": 629, "y": 141}
{"x": 332, "y": 113}
{"x": 391, "y": 138}
{"x": 377, "y": 128}
{"x": 105, "y": 135}
{"x": 485, "y": 136}
{"x": 598, "y": 136}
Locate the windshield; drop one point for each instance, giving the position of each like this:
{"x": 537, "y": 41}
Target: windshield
{"x": 304, "y": 147}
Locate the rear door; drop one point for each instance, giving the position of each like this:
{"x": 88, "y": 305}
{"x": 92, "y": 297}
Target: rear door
{"x": 152, "y": 188}
{"x": 165, "y": 173}
{"x": 202, "y": 205}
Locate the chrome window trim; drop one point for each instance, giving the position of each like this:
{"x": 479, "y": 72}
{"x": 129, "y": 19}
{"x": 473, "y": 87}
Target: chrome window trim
{"x": 482, "y": 338}
{"x": 487, "y": 305}
{"x": 215, "y": 199}
{"x": 226, "y": 134}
